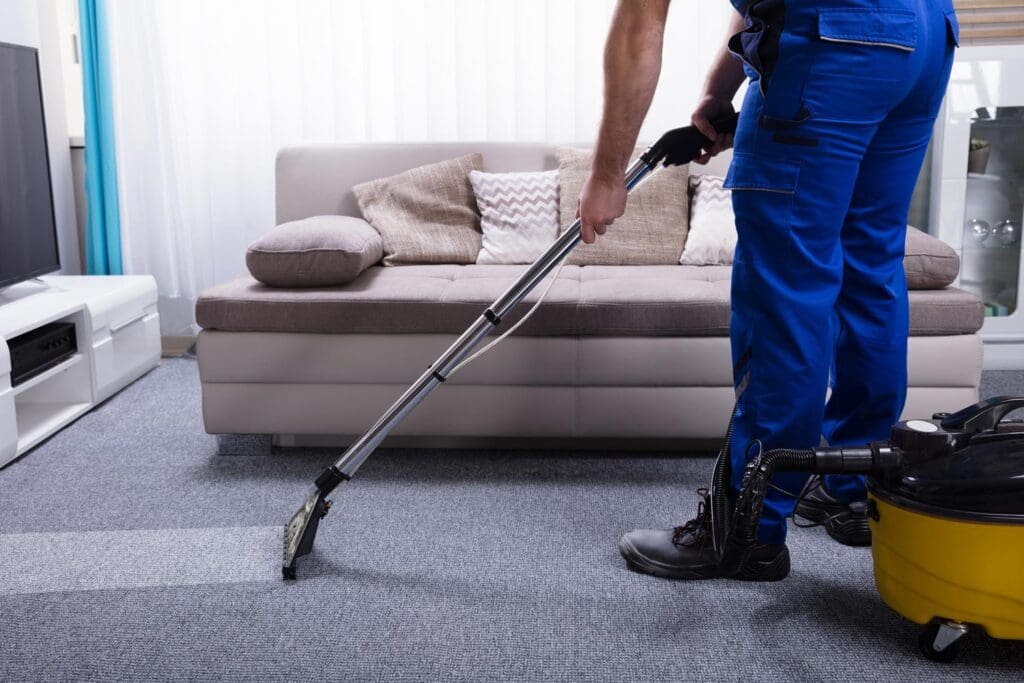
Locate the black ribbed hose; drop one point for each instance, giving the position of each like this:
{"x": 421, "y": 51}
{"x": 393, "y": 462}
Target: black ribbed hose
{"x": 875, "y": 458}
{"x": 721, "y": 504}
{"x": 742, "y": 536}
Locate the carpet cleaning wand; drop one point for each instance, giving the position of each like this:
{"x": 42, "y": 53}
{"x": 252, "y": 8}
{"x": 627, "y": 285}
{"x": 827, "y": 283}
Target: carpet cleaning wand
{"x": 674, "y": 148}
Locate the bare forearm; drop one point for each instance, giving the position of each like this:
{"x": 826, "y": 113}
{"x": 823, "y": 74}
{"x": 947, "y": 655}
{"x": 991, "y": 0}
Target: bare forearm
{"x": 726, "y": 73}
{"x": 632, "y": 64}
{"x": 723, "y": 80}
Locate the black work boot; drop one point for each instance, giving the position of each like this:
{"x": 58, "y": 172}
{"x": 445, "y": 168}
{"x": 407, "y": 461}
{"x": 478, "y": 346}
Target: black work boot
{"x": 687, "y": 552}
{"x": 845, "y": 522}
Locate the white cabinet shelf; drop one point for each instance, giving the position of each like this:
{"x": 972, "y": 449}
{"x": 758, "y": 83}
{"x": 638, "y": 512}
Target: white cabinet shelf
{"x": 117, "y": 331}
{"x": 37, "y": 421}
{"x": 48, "y": 375}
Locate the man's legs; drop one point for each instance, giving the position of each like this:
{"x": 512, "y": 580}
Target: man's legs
{"x": 871, "y": 321}
{"x": 796, "y": 171}
{"x": 850, "y": 86}
{"x": 870, "y": 380}
{"x": 789, "y": 200}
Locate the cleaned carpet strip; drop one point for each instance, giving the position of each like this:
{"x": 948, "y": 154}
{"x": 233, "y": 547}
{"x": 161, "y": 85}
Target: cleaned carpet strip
{"x": 99, "y": 560}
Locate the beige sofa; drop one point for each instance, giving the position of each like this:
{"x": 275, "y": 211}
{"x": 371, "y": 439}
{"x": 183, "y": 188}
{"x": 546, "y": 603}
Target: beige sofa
{"x": 617, "y": 355}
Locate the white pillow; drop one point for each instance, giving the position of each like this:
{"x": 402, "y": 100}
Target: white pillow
{"x": 518, "y": 214}
{"x": 712, "y": 237}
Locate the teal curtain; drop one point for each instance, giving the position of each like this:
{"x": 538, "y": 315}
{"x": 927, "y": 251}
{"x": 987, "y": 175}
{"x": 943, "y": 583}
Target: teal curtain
{"x": 103, "y": 230}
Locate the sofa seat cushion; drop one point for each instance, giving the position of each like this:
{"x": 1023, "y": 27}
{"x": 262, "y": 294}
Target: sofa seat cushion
{"x": 609, "y": 301}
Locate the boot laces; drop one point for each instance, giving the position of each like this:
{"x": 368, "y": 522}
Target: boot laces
{"x": 697, "y": 531}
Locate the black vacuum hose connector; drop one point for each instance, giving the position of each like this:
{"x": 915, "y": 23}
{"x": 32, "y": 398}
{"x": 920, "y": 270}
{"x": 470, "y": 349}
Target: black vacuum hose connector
{"x": 876, "y": 458}
{"x": 329, "y": 479}
{"x": 750, "y": 501}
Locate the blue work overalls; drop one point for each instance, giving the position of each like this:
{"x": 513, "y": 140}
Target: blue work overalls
{"x": 833, "y": 130}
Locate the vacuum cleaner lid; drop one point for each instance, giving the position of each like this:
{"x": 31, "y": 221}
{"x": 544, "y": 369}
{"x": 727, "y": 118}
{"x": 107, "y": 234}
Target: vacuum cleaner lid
{"x": 983, "y": 480}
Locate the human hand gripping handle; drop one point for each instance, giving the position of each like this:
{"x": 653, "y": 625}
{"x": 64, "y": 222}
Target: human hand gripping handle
{"x": 713, "y": 109}
{"x": 603, "y": 200}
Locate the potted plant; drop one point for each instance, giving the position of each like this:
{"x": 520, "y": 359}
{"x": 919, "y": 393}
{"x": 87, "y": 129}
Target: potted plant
{"x": 977, "y": 156}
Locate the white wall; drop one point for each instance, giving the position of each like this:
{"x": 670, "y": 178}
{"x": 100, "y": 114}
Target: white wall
{"x": 34, "y": 23}
{"x": 19, "y": 22}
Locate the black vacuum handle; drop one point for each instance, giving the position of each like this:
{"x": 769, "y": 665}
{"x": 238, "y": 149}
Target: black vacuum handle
{"x": 983, "y": 415}
{"x": 682, "y": 145}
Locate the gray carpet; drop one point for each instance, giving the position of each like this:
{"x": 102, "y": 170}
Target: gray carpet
{"x": 1003, "y": 382}
{"x": 133, "y": 551}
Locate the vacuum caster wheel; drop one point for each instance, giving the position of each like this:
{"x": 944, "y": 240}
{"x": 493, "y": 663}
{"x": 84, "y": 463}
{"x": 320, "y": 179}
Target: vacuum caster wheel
{"x": 941, "y": 641}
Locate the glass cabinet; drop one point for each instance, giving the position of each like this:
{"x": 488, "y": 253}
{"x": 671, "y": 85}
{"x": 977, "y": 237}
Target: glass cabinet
{"x": 990, "y": 261}
{"x": 978, "y": 189}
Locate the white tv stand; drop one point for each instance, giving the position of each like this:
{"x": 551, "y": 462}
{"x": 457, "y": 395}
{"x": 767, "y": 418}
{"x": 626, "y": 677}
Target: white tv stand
{"x": 118, "y": 336}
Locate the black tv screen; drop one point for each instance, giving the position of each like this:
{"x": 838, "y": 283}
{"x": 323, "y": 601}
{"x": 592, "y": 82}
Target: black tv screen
{"x": 28, "y": 232}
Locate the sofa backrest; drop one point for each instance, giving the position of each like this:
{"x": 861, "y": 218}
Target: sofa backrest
{"x": 315, "y": 180}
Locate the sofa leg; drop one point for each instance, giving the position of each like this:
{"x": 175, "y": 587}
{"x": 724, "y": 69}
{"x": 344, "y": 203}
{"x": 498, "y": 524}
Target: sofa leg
{"x": 244, "y": 444}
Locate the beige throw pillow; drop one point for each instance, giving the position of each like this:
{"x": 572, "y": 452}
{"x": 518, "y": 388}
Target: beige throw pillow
{"x": 653, "y": 229}
{"x": 427, "y": 214}
{"x": 929, "y": 262}
{"x": 321, "y": 251}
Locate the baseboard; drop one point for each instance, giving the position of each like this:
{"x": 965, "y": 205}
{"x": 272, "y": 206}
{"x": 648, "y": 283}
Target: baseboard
{"x": 1003, "y": 355}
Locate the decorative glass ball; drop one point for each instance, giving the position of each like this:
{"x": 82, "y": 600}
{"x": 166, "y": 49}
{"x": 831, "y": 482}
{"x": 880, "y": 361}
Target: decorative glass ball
{"x": 978, "y": 230}
{"x": 1006, "y": 232}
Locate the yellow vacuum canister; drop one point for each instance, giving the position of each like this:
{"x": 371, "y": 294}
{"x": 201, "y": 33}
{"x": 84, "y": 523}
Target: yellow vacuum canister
{"x": 945, "y": 508}
{"x": 947, "y": 528}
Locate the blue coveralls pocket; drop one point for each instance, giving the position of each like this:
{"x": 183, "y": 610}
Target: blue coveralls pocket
{"x": 761, "y": 172}
{"x": 762, "y": 187}
{"x": 763, "y": 190}
{"x": 861, "y": 63}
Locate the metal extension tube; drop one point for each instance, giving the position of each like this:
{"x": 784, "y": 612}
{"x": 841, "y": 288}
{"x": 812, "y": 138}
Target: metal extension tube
{"x": 359, "y": 451}
{"x": 301, "y": 530}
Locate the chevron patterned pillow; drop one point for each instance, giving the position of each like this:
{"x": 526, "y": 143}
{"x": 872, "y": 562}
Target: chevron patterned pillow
{"x": 712, "y": 237}
{"x": 518, "y": 214}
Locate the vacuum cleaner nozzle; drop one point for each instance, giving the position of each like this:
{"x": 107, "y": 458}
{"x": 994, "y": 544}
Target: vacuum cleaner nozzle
{"x": 301, "y": 530}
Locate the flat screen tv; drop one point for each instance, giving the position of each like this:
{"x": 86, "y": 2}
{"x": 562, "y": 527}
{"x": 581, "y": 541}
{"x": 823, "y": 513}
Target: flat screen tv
{"x": 28, "y": 231}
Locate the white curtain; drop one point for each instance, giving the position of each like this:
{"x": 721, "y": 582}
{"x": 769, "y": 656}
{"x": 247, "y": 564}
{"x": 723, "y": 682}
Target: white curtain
{"x": 207, "y": 91}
